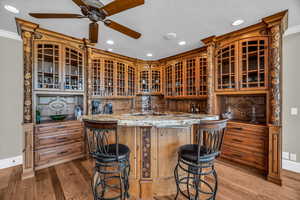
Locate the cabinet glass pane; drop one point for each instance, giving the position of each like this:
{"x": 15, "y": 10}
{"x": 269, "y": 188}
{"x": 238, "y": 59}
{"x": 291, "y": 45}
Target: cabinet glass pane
{"x": 253, "y": 63}
{"x": 96, "y": 78}
{"x": 131, "y": 81}
{"x": 155, "y": 81}
{"x": 169, "y": 85}
{"x": 226, "y": 67}
{"x": 202, "y": 76}
{"x": 191, "y": 77}
{"x": 120, "y": 79}
{"x": 179, "y": 79}
{"x": 108, "y": 78}
{"x": 144, "y": 81}
{"x": 73, "y": 69}
{"x": 47, "y": 66}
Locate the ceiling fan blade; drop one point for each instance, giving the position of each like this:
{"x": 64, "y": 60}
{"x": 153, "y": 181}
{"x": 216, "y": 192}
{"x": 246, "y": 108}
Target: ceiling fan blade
{"x": 93, "y": 35}
{"x": 122, "y": 29}
{"x": 55, "y": 15}
{"x": 120, "y": 5}
{"x": 79, "y": 3}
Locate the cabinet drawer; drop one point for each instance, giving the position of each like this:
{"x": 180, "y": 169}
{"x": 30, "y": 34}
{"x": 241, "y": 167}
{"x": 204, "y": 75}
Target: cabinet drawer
{"x": 58, "y": 138}
{"x": 58, "y": 127}
{"x": 253, "y": 159}
{"x": 54, "y": 154}
{"x": 250, "y": 143}
{"x": 247, "y": 129}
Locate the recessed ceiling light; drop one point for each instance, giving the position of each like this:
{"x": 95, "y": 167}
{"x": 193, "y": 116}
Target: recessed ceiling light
{"x": 149, "y": 54}
{"x": 109, "y": 50}
{"x": 237, "y": 22}
{"x": 111, "y": 42}
{"x": 11, "y": 9}
{"x": 181, "y": 43}
{"x": 170, "y": 36}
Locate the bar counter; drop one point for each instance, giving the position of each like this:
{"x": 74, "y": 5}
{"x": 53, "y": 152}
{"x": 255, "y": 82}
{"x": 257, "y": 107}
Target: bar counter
{"x": 153, "y": 140}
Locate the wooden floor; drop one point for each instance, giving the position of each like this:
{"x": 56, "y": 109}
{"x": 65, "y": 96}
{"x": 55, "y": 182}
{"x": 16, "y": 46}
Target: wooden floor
{"x": 72, "y": 181}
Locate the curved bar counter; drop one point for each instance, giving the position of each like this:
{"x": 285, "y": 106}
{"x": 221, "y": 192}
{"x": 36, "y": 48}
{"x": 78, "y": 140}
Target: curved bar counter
{"x": 153, "y": 140}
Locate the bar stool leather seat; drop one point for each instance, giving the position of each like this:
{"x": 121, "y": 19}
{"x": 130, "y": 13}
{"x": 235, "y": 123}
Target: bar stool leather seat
{"x": 189, "y": 152}
{"x": 111, "y": 156}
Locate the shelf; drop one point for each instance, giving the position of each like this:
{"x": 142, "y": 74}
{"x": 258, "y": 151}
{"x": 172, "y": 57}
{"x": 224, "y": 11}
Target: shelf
{"x": 187, "y": 97}
{"x": 112, "y": 97}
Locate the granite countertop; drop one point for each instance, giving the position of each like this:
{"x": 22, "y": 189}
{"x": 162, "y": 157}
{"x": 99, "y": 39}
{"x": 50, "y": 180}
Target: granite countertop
{"x": 170, "y": 119}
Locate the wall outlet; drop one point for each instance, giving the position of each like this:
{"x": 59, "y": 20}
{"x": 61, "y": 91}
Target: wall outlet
{"x": 294, "y": 111}
{"x": 286, "y": 155}
{"x": 293, "y": 157}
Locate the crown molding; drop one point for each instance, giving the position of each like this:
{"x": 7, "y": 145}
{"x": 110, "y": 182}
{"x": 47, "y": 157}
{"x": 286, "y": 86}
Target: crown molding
{"x": 10, "y": 35}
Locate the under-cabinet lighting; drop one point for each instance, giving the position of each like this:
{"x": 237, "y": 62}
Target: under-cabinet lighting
{"x": 11, "y": 9}
{"x": 109, "y": 50}
{"x": 237, "y": 22}
{"x": 149, "y": 54}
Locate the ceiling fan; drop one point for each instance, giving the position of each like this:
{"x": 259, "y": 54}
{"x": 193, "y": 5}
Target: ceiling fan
{"x": 97, "y": 11}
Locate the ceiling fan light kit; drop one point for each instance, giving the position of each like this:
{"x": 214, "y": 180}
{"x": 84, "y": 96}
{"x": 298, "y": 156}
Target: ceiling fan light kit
{"x": 96, "y": 11}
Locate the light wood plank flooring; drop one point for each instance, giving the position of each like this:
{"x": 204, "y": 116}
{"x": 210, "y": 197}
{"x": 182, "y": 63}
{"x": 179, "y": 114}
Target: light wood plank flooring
{"x": 71, "y": 181}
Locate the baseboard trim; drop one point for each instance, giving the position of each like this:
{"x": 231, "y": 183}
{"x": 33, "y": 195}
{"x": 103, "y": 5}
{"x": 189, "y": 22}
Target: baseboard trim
{"x": 10, "y": 35}
{"x": 10, "y": 162}
{"x": 291, "y": 166}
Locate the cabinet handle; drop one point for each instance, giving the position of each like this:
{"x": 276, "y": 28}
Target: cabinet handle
{"x": 236, "y": 128}
{"x": 63, "y": 152}
{"x": 236, "y": 155}
{"x": 61, "y": 127}
{"x": 237, "y": 140}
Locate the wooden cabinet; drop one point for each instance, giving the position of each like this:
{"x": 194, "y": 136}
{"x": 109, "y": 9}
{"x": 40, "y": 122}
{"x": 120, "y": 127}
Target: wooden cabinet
{"x": 253, "y": 63}
{"x": 57, "y": 142}
{"x": 112, "y": 77}
{"x": 246, "y": 144}
{"x": 186, "y": 77}
{"x": 226, "y": 71}
{"x": 58, "y": 67}
{"x": 242, "y": 65}
{"x": 150, "y": 79}
{"x": 48, "y": 61}
{"x": 73, "y": 69}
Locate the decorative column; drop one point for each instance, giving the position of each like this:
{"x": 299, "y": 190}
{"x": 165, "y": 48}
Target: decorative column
{"x": 146, "y": 176}
{"x": 28, "y": 156}
{"x": 276, "y": 24}
{"x": 89, "y": 93}
{"x": 211, "y": 98}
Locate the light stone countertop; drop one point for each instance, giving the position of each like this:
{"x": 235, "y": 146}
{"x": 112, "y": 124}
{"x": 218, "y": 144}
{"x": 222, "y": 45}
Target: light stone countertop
{"x": 160, "y": 120}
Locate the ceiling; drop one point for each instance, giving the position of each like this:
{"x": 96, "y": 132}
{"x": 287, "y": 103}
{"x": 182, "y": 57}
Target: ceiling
{"x": 191, "y": 20}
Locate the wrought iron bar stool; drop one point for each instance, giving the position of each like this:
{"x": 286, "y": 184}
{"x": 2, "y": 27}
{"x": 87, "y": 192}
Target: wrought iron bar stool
{"x": 112, "y": 167}
{"x": 194, "y": 173}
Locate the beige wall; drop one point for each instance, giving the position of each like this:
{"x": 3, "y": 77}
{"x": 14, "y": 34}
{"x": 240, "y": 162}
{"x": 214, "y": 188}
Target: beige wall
{"x": 10, "y": 97}
{"x": 291, "y": 93}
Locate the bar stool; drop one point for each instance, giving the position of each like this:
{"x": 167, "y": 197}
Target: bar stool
{"x": 112, "y": 167}
{"x": 194, "y": 173}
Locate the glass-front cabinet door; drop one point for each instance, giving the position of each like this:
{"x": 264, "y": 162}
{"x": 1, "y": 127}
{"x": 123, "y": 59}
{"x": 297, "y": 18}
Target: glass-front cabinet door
{"x": 155, "y": 77}
{"x": 191, "y": 76}
{"x": 58, "y": 67}
{"x": 73, "y": 70}
{"x": 253, "y": 63}
{"x": 131, "y": 81}
{"x": 202, "y": 75}
{"x": 120, "y": 79}
{"x": 169, "y": 80}
{"x": 179, "y": 78}
{"x": 226, "y": 68}
{"x": 48, "y": 66}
